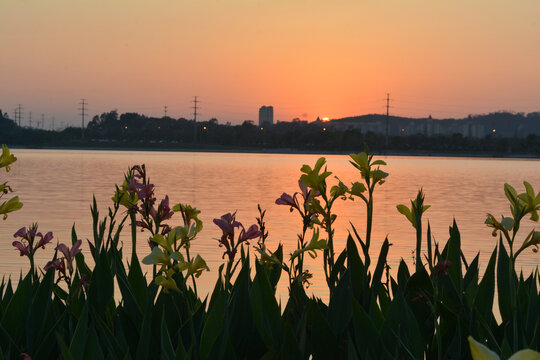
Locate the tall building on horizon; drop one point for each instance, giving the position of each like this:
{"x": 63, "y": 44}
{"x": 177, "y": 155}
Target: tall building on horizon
{"x": 266, "y": 115}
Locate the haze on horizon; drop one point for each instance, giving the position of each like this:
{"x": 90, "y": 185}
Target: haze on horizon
{"x": 306, "y": 58}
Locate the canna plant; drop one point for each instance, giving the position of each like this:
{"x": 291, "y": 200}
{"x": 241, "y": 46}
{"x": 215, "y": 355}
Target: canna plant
{"x": 320, "y": 203}
{"x": 13, "y": 204}
{"x": 371, "y": 173}
{"x": 30, "y": 240}
{"x": 521, "y": 205}
{"x": 227, "y": 223}
{"x": 414, "y": 215}
{"x": 300, "y": 202}
{"x": 108, "y": 309}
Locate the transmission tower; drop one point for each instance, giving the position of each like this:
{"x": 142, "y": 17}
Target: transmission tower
{"x": 83, "y": 103}
{"x": 387, "y": 117}
{"x": 42, "y": 120}
{"x": 53, "y": 123}
{"x": 195, "y": 113}
{"x": 165, "y": 111}
{"x": 18, "y": 112}
{"x": 30, "y": 119}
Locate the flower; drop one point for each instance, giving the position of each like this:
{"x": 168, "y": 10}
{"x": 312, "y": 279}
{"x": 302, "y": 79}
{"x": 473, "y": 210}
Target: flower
{"x": 25, "y": 250}
{"x": 157, "y": 256}
{"x": 69, "y": 255}
{"x": 302, "y": 207}
{"x": 227, "y": 223}
{"x": 11, "y": 205}
{"x": 252, "y": 233}
{"x": 164, "y": 210}
{"x": 57, "y": 264}
{"x": 27, "y": 240}
{"x": 194, "y": 267}
{"x": 314, "y": 244}
{"x": 481, "y": 352}
{"x": 6, "y": 158}
{"x": 44, "y": 239}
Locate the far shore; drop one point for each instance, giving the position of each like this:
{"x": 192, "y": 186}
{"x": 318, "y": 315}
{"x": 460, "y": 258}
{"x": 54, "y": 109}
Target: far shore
{"x": 280, "y": 151}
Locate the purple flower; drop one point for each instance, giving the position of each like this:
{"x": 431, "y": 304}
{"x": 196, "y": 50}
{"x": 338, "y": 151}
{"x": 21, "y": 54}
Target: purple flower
{"x": 25, "y": 250}
{"x": 69, "y": 255}
{"x": 301, "y": 206}
{"x": 57, "y": 264}
{"x": 27, "y": 235}
{"x": 286, "y": 199}
{"x": 20, "y": 233}
{"x": 164, "y": 209}
{"x": 26, "y": 244}
{"x": 227, "y": 223}
{"x": 252, "y": 233}
{"x": 45, "y": 239}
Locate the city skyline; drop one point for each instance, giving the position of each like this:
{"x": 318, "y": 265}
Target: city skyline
{"x": 307, "y": 59}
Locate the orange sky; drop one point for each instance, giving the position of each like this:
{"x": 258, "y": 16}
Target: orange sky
{"x": 307, "y": 58}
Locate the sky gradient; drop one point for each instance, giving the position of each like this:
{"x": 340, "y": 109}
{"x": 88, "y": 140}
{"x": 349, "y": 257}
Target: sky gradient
{"x": 306, "y": 58}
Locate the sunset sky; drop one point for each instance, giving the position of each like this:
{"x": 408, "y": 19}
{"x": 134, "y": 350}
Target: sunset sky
{"x": 306, "y": 58}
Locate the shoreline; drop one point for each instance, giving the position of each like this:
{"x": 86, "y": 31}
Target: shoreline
{"x": 283, "y": 151}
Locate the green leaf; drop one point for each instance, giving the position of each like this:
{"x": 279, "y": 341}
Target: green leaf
{"x": 167, "y": 351}
{"x": 266, "y": 312}
{"x": 340, "y": 305}
{"x": 137, "y": 282}
{"x": 323, "y": 340}
{"x": 407, "y": 212}
{"x": 79, "y": 339}
{"x": 66, "y": 354}
{"x": 454, "y": 257}
{"x": 213, "y": 327}
{"x": 377, "y": 275}
{"x": 503, "y": 283}
{"x": 16, "y": 310}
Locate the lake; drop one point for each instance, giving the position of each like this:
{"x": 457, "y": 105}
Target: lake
{"x": 56, "y": 187}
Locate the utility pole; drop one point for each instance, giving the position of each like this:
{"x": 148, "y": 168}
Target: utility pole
{"x": 165, "y": 111}
{"x": 83, "y": 103}
{"x": 195, "y": 107}
{"x": 387, "y": 117}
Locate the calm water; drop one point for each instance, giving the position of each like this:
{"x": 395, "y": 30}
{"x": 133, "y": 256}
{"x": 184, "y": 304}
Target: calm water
{"x": 56, "y": 187}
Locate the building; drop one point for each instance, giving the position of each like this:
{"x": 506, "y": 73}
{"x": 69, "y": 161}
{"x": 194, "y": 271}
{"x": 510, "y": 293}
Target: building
{"x": 266, "y": 115}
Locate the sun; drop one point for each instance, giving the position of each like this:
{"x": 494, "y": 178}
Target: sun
{"x": 325, "y": 119}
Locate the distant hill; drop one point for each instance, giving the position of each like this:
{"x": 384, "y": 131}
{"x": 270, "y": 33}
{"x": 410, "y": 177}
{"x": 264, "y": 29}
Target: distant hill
{"x": 504, "y": 124}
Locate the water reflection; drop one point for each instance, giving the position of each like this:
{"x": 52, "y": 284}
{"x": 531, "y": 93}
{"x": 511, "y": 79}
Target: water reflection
{"x": 56, "y": 187}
